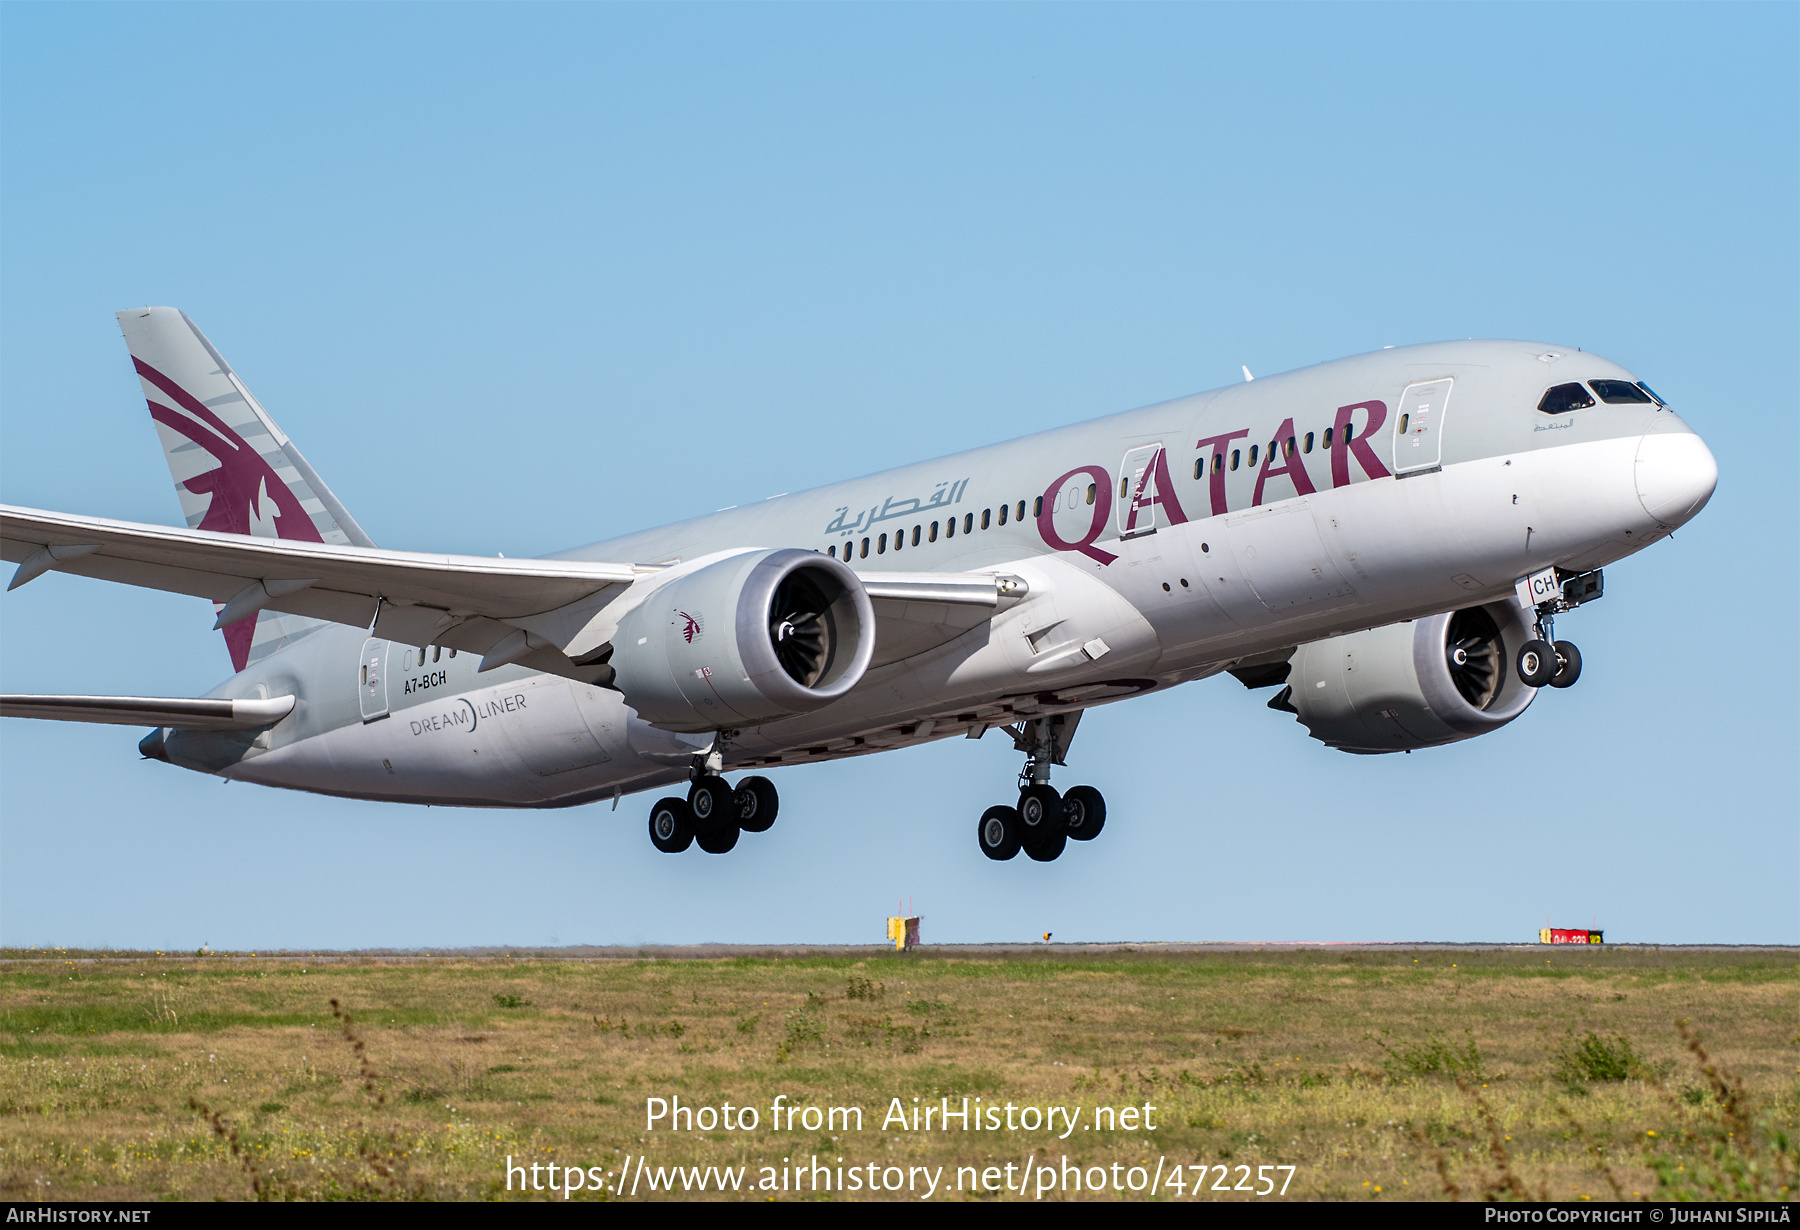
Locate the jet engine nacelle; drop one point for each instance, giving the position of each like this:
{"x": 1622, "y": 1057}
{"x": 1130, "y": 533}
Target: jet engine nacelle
{"x": 1411, "y": 685}
{"x": 747, "y": 639}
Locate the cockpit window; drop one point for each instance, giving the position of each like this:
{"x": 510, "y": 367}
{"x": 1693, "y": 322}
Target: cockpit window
{"x": 1562, "y": 398}
{"x": 1653, "y": 397}
{"x": 1620, "y": 392}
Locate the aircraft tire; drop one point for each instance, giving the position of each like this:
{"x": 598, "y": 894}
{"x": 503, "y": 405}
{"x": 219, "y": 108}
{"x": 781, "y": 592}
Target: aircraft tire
{"x": 1084, "y": 813}
{"x": 710, "y": 804}
{"x": 1537, "y": 663}
{"x": 756, "y": 803}
{"x": 1569, "y": 669}
{"x": 671, "y": 828}
{"x": 720, "y": 840}
{"x": 1048, "y": 848}
{"x": 1040, "y": 813}
{"x": 998, "y": 833}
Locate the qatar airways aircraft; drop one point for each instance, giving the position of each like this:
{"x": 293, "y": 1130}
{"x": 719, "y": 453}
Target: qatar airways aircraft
{"x": 1385, "y": 538}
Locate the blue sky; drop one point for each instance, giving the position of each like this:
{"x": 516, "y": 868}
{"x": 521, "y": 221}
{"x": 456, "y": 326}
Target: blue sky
{"x": 520, "y": 277}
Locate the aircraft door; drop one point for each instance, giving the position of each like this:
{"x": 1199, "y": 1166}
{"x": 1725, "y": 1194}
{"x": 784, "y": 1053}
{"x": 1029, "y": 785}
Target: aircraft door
{"x": 371, "y": 679}
{"x": 1418, "y": 431}
{"x": 1138, "y": 494}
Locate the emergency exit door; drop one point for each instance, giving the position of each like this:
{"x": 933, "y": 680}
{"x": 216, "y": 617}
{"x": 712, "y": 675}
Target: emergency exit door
{"x": 1138, "y": 492}
{"x": 371, "y": 687}
{"x": 1419, "y": 427}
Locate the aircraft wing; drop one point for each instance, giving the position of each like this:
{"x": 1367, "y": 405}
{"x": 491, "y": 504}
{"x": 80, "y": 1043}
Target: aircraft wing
{"x": 523, "y": 610}
{"x": 459, "y": 601}
{"x": 179, "y": 711}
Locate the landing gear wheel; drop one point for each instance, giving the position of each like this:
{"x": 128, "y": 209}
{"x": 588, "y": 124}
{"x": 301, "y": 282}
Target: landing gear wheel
{"x": 1537, "y": 664}
{"x": 999, "y": 833}
{"x": 1569, "y": 669}
{"x": 710, "y": 804}
{"x": 1047, "y": 849}
{"x": 1084, "y": 813}
{"x": 671, "y": 827}
{"x": 719, "y": 841}
{"x": 1040, "y": 812}
{"x": 756, "y": 803}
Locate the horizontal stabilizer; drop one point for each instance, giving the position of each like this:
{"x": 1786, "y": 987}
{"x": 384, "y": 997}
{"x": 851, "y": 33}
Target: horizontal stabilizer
{"x": 180, "y": 712}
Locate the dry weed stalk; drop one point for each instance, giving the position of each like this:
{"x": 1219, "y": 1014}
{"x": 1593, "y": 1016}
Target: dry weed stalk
{"x": 1740, "y": 1167}
{"x": 1726, "y": 1087}
{"x": 361, "y": 1051}
{"x": 1598, "y": 1152}
{"x": 389, "y": 1166}
{"x": 223, "y": 1129}
{"x": 1505, "y": 1179}
{"x": 1440, "y": 1161}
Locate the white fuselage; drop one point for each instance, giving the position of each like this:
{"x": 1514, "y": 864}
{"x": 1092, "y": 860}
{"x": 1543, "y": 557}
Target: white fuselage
{"x": 1155, "y": 552}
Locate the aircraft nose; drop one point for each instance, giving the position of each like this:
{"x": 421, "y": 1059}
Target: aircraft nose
{"x": 1676, "y": 474}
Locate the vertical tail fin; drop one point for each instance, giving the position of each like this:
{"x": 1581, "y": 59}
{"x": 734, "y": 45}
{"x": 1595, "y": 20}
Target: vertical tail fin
{"x": 235, "y": 470}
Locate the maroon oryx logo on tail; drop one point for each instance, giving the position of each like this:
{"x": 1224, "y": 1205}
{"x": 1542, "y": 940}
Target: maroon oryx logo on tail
{"x": 239, "y": 486}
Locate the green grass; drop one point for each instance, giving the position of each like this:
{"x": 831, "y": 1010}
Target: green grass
{"x": 1380, "y": 1074}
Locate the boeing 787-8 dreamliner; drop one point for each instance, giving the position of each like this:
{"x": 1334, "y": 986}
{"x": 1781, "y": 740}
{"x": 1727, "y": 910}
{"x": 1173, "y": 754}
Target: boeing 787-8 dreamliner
{"x": 1334, "y": 532}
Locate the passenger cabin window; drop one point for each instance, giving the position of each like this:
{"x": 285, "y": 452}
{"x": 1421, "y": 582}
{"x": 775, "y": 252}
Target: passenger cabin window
{"x": 985, "y": 518}
{"x": 865, "y": 548}
{"x": 1309, "y": 442}
{"x": 1218, "y": 463}
{"x": 950, "y": 528}
{"x": 1037, "y": 507}
{"x": 1021, "y": 510}
{"x": 1004, "y": 508}
{"x": 916, "y": 532}
{"x": 1253, "y": 449}
{"x": 1562, "y": 398}
{"x": 1619, "y": 393}
{"x": 831, "y": 550}
{"x": 933, "y": 537}
{"x": 969, "y": 522}
{"x": 1326, "y": 442}
{"x": 881, "y": 545}
{"x": 1237, "y": 456}
{"x": 1093, "y": 489}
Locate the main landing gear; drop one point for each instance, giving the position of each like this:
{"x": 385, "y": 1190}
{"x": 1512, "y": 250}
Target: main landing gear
{"x": 713, "y": 815}
{"x": 1044, "y": 821}
{"x": 715, "y": 812}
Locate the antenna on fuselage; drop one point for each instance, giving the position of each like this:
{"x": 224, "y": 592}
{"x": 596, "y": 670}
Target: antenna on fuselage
{"x": 1247, "y": 376}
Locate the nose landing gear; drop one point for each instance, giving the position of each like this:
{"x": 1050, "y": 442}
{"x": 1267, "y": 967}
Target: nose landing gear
{"x": 1545, "y": 661}
{"x": 1044, "y": 821}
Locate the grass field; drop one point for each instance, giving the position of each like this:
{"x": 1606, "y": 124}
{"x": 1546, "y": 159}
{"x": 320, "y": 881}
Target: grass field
{"x": 1378, "y": 1074}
